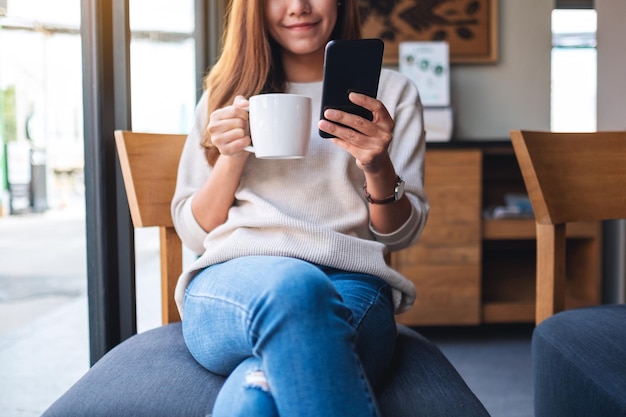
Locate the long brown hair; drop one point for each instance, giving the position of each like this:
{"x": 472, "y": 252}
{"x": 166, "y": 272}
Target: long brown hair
{"x": 250, "y": 61}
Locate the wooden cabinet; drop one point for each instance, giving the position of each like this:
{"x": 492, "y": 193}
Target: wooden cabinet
{"x": 445, "y": 263}
{"x": 469, "y": 270}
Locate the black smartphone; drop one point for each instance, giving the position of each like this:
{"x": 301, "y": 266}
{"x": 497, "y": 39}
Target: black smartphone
{"x": 350, "y": 65}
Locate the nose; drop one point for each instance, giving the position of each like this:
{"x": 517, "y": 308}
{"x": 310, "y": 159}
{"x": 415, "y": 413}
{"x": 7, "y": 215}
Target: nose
{"x": 299, "y": 7}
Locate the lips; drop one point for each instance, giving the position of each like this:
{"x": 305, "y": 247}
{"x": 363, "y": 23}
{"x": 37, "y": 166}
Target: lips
{"x": 301, "y": 26}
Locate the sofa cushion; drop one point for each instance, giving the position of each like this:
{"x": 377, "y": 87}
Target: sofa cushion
{"x": 153, "y": 374}
{"x": 579, "y": 363}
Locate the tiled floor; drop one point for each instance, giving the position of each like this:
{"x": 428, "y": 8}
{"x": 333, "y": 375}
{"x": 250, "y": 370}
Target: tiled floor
{"x": 44, "y": 330}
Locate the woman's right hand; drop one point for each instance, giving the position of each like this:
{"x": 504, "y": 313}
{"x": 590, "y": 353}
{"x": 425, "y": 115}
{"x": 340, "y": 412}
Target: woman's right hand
{"x": 230, "y": 133}
{"x": 229, "y": 128}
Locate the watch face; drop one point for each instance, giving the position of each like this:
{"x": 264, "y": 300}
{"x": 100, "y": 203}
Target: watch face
{"x": 399, "y": 192}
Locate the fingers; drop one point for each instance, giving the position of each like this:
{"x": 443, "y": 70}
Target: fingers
{"x": 367, "y": 141}
{"x": 356, "y": 129}
{"x": 377, "y": 108}
{"x": 241, "y": 102}
{"x": 229, "y": 128}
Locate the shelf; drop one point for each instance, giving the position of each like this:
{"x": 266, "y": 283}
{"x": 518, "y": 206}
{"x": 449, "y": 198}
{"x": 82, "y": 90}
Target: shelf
{"x": 511, "y": 312}
{"x": 508, "y": 285}
{"x": 498, "y": 229}
{"x": 512, "y": 229}
{"x": 469, "y": 270}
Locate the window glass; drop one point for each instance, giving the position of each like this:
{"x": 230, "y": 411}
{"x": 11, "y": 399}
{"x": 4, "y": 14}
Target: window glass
{"x": 574, "y": 71}
{"x": 64, "y": 13}
{"x": 41, "y": 81}
{"x": 44, "y": 338}
{"x": 162, "y": 65}
{"x": 42, "y": 232}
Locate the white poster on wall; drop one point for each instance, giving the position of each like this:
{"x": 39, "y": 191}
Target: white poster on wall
{"x": 428, "y": 65}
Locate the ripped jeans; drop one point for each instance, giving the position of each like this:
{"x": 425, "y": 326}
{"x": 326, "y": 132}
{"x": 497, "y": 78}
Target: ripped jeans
{"x": 295, "y": 339}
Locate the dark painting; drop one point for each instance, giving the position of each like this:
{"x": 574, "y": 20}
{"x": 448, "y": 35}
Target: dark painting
{"x": 469, "y": 26}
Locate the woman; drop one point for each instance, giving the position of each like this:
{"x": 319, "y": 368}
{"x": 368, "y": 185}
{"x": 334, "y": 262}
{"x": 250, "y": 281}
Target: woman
{"x": 291, "y": 295}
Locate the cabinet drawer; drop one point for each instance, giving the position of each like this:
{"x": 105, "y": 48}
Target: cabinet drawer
{"x": 445, "y": 263}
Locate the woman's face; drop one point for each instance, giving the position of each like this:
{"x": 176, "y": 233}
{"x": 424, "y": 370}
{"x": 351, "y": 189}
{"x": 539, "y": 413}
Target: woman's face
{"x": 301, "y": 27}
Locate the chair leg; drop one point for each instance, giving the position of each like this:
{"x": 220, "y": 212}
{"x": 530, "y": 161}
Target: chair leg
{"x": 550, "y": 297}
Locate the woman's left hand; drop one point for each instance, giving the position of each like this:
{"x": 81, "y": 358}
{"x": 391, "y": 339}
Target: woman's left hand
{"x": 368, "y": 141}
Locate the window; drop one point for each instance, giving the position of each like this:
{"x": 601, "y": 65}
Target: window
{"x": 41, "y": 86}
{"x": 41, "y": 107}
{"x": 43, "y": 267}
{"x": 162, "y": 65}
{"x": 574, "y": 62}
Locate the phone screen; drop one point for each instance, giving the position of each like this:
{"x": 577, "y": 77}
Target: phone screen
{"x": 350, "y": 65}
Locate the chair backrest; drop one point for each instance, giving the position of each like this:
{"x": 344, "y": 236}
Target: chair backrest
{"x": 149, "y": 163}
{"x": 569, "y": 177}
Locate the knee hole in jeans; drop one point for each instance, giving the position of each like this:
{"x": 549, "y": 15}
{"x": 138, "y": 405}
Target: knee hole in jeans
{"x": 256, "y": 379}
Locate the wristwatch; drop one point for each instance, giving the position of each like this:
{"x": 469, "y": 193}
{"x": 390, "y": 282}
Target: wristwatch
{"x": 398, "y": 192}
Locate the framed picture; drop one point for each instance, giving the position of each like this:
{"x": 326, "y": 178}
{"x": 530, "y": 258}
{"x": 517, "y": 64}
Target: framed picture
{"x": 470, "y": 27}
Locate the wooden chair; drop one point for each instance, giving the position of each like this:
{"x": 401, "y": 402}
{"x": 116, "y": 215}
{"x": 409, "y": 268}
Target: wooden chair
{"x": 153, "y": 374}
{"x": 570, "y": 177}
{"x": 149, "y": 162}
{"x": 579, "y": 355}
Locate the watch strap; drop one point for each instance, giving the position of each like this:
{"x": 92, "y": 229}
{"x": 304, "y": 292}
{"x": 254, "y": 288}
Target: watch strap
{"x": 386, "y": 200}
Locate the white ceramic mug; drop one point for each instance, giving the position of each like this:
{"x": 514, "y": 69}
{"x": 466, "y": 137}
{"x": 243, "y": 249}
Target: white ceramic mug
{"x": 280, "y": 125}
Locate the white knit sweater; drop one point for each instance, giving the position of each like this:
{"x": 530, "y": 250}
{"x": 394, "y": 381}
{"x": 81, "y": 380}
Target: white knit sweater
{"x": 312, "y": 208}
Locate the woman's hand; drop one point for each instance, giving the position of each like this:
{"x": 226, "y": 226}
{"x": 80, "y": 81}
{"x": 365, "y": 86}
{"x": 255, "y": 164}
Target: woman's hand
{"x": 230, "y": 133}
{"x": 368, "y": 141}
{"x": 229, "y": 128}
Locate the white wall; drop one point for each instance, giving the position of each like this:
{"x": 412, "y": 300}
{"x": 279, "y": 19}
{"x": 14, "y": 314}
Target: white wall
{"x": 611, "y": 63}
{"x": 514, "y": 93}
{"x": 612, "y": 116}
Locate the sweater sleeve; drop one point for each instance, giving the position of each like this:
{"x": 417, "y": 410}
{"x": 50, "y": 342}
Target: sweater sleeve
{"x": 193, "y": 171}
{"x": 407, "y": 152}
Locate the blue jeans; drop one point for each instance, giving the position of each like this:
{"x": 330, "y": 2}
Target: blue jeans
{"x": 295, "y": 339}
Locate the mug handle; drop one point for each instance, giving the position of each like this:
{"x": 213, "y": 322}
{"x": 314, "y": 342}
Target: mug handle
{"x": 249, "y": 148}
